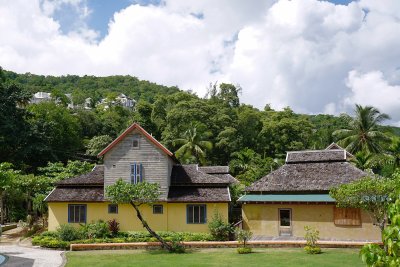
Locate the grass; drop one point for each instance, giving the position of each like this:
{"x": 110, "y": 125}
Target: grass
{"x": 215, "y": 257}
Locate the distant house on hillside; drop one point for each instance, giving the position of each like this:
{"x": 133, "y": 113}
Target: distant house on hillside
{"x": 120, "y": 100}
{"x": 297, "y": 195}
{"x": 40, "y": 97}
{"x": 189, "y": 194}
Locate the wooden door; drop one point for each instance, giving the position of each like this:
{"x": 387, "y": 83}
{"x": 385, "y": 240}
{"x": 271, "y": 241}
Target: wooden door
{"x": 285, "y": 222}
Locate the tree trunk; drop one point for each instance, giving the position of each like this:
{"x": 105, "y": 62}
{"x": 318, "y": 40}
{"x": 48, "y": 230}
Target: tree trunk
{"x": 164, "y": 244}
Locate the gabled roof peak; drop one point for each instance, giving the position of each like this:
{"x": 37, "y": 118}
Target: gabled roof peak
{"x": 141, "y": 130}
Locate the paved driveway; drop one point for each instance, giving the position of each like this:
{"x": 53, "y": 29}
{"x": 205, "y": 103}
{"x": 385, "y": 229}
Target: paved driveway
{"x": 27, "y": 257}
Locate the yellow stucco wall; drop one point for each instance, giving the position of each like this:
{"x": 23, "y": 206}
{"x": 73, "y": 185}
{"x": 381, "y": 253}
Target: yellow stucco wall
{"x": 172, "y": 219}
{"x": 262, "y": 219}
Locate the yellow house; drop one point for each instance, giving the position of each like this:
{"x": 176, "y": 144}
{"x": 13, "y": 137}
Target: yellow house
{"x": 280, "y": 204}
{"x": 189, "y": 194}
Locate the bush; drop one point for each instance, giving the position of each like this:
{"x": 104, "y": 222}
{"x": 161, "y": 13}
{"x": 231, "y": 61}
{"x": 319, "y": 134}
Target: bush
{"x": 312, "y": 250}
{"x": 97, "y": 229}
{"x": 113, "y": 227}
{"x": 219, "y": 229}
{"x": 177, "y": 245}
{"x": 312, "y": 237}
{"x": 67, "y": 232}
{"x": 244, "y": 250}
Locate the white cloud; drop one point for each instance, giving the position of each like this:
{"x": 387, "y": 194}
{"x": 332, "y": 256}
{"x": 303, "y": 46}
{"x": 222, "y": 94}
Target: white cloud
{"x": 308, "y": 54}
{"x": 372, "y": 89}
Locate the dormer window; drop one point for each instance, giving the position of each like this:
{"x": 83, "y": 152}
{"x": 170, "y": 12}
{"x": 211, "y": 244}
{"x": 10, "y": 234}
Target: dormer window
{"x": 135, "y": 141}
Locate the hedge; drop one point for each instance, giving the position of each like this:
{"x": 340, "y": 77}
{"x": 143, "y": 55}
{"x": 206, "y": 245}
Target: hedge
{"x": 51, "y": 239}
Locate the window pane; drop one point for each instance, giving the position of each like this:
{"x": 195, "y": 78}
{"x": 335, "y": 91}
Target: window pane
{"x": 196, "y": 217}
{"x": 190, "y": 214}
{"x": 284, "y": 217}
{"x": 82, "y": 213}
{"x": 76, "y": 211}
{"x": 71, "y": 213}
{"x": 202, "y": 214}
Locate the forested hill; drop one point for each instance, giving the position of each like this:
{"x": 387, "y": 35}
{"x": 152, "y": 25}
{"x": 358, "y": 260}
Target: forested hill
{"x": 90, "y": 86}
{"x": 216, "y": 130}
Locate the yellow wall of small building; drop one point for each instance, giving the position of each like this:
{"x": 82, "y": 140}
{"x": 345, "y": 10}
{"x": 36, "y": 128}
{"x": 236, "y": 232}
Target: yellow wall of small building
{"x": 172, "y": 219}
{"x": 262, "y": 219}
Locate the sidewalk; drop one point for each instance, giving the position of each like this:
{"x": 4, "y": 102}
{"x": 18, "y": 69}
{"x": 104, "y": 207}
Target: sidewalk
{"x": 21, "y": 253}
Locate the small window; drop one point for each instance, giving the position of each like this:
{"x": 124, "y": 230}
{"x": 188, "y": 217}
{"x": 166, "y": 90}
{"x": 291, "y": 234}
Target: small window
{"x": 196, "y": 214}
{"x": 113, "y": 208}
{"x": 158, "y": 209}
{"x": 77, "y": 213}
{"x": 135, "y": 141}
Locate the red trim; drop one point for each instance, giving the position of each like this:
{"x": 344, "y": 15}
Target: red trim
{"x": 143, "y": 131}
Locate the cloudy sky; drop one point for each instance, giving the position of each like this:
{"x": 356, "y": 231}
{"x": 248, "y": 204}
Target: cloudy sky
{"x": 314, "y": 56}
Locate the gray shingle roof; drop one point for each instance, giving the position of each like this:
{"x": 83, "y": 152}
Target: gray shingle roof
{"x": 316, "y": 156}
{"x": 95, "y": 177}
{"x": 215, "y": 169}
{"x": 198, "y": 194}
{"x": 76, "y": 194}
{"x": 305, "y": 177}
{"x": 190, "y": 174}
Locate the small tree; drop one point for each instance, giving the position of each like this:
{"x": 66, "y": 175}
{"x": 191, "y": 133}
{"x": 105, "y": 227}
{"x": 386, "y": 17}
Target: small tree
{"x": 371, "y": 193}
{"x": 312, "y": 237}
{"x": 243, "y": 236}
{"x": 137, "y": 194}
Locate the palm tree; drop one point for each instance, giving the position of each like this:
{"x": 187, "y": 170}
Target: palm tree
{"x": 363, "y": 133}
{"x": 193, "y": 146}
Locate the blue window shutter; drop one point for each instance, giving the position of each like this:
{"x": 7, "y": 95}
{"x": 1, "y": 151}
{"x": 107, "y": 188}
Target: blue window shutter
{"x": 141, "y": 172}
{"x": 134, "y": 173}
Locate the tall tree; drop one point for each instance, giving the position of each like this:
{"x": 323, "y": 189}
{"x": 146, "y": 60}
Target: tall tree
{"x": 363, "y": 132}
{"x": 193, "y": 146}
{"x": 13, "y": 126}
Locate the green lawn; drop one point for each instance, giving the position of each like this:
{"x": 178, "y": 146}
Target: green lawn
{"x": 215, "y": 257}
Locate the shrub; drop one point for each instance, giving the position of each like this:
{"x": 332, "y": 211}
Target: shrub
{"x": 67, "y": 232}
{"x": 243, "y": 236}
{"x": 312, "y": 250}
{"x": 177, "y": 245}
{"x": 312, "y": 237}
{"x": 219, "y": 229}
{"x": 244, "y": 250}
{"x": 97, "y": 229}
{"x": 113, "y": 227}
{"x": 50, "y": 242}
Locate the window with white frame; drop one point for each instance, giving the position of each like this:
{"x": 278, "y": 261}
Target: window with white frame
{"x": 136, "y": 173}
{"x": 196, "y": 214}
